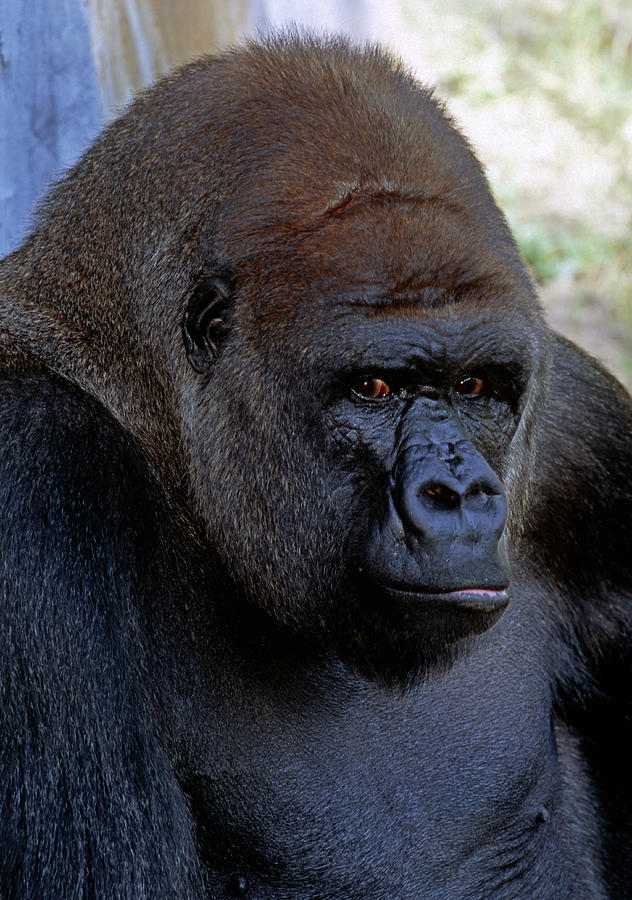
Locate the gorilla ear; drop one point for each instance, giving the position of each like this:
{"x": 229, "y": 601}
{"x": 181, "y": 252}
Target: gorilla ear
{"x": 205, "y": 321}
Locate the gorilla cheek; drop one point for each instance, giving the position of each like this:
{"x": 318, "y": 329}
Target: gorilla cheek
{"x": 266, "y": 502}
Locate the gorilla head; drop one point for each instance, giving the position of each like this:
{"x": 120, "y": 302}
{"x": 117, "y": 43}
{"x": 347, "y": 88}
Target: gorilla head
{"x": 312, "y": 316}
{"x": 361, "y": 343}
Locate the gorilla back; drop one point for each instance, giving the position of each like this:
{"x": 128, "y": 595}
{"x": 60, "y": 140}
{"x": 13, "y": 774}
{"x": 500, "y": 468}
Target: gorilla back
{"x": 315, "y": 538}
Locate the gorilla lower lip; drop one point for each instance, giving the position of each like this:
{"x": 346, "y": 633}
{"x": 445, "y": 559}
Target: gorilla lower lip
{"x": 483, "y": 600}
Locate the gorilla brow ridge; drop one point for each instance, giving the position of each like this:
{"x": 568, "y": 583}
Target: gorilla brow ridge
{"x": 431, "y": 295}
{"x": 418, "y": 289}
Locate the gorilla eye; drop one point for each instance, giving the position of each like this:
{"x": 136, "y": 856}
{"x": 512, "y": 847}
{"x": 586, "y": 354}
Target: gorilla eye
{"x": 469, "y": 386}
{"x": 371, "y": 388}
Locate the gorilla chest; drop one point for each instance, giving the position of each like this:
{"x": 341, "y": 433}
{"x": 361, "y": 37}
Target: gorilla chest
{"x": 359, "y": 793}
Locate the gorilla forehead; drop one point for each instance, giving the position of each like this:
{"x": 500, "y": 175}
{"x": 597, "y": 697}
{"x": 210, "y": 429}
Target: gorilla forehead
{"x": 344, "y": 151}
{"x": 343, "y": 140}
{"x": 381, "y": 254}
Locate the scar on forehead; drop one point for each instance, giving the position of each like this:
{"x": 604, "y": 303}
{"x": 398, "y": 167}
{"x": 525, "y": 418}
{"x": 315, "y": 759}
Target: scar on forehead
{"x": 354, "y": 194}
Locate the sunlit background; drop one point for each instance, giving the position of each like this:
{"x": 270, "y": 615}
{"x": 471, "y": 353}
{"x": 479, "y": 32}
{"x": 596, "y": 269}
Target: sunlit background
{"x": 543, "y": 89}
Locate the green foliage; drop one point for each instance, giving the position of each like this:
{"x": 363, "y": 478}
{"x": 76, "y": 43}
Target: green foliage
{"x": 563, "y": 252}
{"x": 578, "y": 53}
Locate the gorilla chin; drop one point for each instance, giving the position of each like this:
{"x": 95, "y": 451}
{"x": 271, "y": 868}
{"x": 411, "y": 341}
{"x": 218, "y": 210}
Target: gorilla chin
{"x": 398, "y": 636}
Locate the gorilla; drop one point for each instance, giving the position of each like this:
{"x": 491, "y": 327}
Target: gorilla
{"x": 315, "y": 545}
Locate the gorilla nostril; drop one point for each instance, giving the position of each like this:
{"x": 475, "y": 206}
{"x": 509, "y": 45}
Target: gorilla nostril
{"x": 442, "y": 497}
{"x": 482, "y": 490}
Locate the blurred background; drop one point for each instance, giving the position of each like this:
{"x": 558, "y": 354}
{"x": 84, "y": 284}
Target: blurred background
{"x": 543, "y": 89}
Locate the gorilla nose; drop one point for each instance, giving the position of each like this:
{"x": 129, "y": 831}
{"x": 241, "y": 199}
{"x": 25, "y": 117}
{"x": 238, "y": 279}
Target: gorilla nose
{"x": 463, "y": 503}
{"x": 438, "y": 507}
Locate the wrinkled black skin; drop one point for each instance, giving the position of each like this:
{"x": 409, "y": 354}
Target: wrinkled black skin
{"x": 238, "y": 655}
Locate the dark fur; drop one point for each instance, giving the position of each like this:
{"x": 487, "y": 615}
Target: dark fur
{"x": 204, "y": 689}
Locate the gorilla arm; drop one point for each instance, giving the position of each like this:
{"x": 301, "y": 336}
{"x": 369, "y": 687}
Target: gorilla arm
{"x": 88, "y": 803}
{"x": 580, "y": 532}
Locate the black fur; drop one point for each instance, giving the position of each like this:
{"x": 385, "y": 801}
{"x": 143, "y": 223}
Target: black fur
{"x": 314, "y": 537}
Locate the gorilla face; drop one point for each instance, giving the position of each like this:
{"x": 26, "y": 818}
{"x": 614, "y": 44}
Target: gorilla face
{"x": 377, "y": 415}
{"x": 438, "y": 509}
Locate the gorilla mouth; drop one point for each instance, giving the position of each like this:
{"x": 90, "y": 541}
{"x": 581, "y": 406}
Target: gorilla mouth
{"x": 468, "y": 599}
{"x": 410, "y": 628}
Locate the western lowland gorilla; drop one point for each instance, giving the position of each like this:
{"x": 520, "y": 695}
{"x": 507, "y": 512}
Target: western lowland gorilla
{"x": 316, "y": 540}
